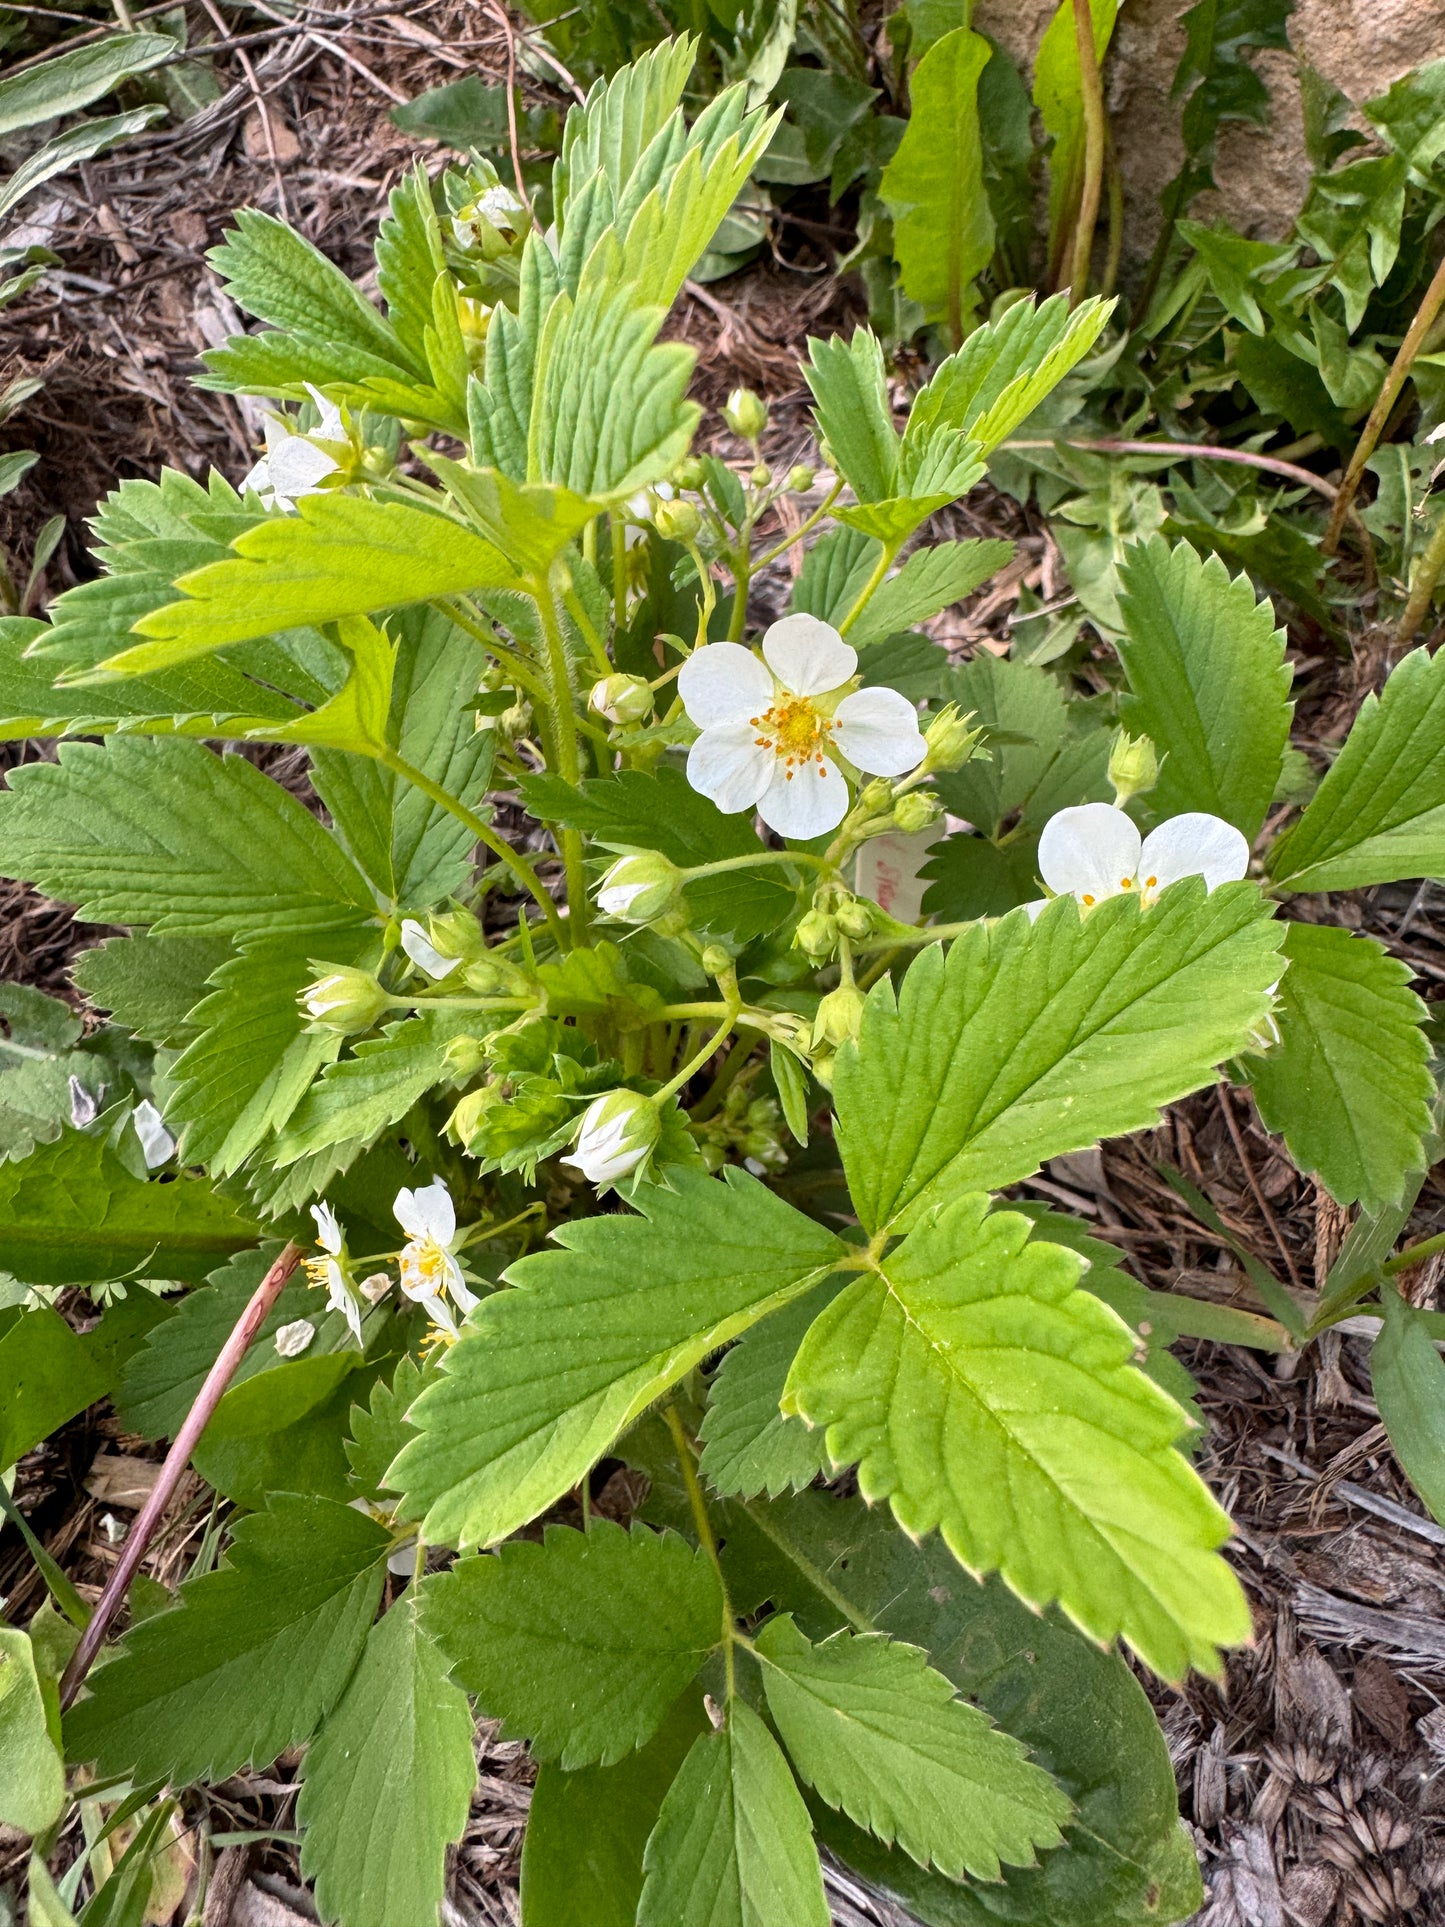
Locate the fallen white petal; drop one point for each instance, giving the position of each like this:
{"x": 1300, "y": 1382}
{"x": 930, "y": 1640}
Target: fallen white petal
{"x": 1089, "y": 850}
{"x": 877, "y": 729}
{"x": 807, "y": 655}
{"x": 723, "y": 683}
{"x": 292, "y": 1340}
{"x": 156, "y": 1143}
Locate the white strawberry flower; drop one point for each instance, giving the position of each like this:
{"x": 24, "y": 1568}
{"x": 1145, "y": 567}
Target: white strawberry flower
{"x": 295, "y": 463}
{"x": 330, "y": 1269}
{"x": 430, "y": 1273}
{"x": 1095, "y": 851}
{"x": 423, "y": 952}
{"x": 773, "y": 730}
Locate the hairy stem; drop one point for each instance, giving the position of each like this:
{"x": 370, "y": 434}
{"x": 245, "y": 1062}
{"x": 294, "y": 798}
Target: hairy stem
{"x": 1430, "y": 305}
{"x": 865, "y": 594}
{"x": 1422, "y": 589}
{"x": 682, "y": 1445}
{"x": 1091, "y": 95}
{"x": 568, "y": 762}
{"x": 143, "y": 1531}
{"x": 485, "y": 834}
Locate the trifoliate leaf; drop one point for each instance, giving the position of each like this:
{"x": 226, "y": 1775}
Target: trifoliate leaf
{"x": 1210, "y": 685}
{"x": 586, "y": 1830}
{"x": 983, "y": 1393}
{"x": 167, "y": 833}
{"x": 72, "y": 1213}
{"x": 547, "y": 1375}
{"x": 387, "y": 1782}
{"x": 340, "y": 555}
{"x": 1348, "y": 1085}
{"x": 1379, "y": 815}
{"x": 871, "y": 1725}
{"x": 32, "y": 1774}
{"x": 748, "y": 1446}
{"x": 1032, "y": 1039}
{"x": 252, "y": 1658}
{"x": 733, "y": 1845}
{"x": 929, "y": 580}
{"x": 943, "y": 231}
{"x": 582, "y": 1643}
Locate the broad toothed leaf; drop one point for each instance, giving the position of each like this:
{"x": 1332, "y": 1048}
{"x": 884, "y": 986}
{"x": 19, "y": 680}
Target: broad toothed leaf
{"x": 748, "y": 1446}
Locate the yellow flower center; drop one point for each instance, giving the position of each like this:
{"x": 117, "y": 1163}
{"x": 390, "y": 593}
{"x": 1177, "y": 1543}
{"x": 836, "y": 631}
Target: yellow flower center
{"x": 429, "y": 1262}
{"x": 315, "y": 1269}
{"x": 795, "y": 732}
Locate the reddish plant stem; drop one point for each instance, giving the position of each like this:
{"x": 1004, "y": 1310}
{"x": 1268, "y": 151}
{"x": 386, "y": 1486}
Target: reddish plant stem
{"x": 143, "y": 1531}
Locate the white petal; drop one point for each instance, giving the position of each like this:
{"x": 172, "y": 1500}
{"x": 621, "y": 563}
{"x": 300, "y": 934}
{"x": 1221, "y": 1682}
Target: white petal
{"x": 156, "y": 1142}
{"x": 1089, "y": 850}
{"x": 1035, "y": 908}
{"x": 808, "y": 656}
{"x": 878, "y": 730}
{"x": 427, "y": 1212}
{"x": 258, "y": 477}
{"x": 338, "y": 1298}
{"x": 727, "y": 764}
{"x": 402, "y": 1562}
{"x": 330, "y": 427}
{"x": 297, "y": 467}
{"x": 813, "y": 801}
{"x": 1195, "y": 844}
{"x": 328, "y": 1231}
{"x": 617, "y": 899}
{"x": 292, "y": 1339}
{"x": 436, "y": 1310}
{"x": 457, "y": 1288}
{"x": 423, "y": 952}
{"x": 723, "y": 683}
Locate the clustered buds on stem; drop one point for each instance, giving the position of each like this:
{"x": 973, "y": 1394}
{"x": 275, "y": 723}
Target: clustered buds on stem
{"x": 918, "y": 810}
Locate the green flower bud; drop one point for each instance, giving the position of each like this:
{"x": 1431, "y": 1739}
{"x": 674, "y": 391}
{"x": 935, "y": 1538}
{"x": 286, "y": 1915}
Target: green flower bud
{"x": 622, "y": 699}
{"x": 839, "y": 1018}
{"x": 464, "y": 1057}
{"x": 689, "y": 473}
{"x": 640, "y": 887}
{"x": 466, "y": 1120}
{"x": 493, "y": 976}
{"x": 456, "y": 933}
{"x": 1133, "y": 766}
{"x": 800, "y": 478}
{"x": 876, "y": 795}
{"x": 345, "y": 1001}
{"x": 760, "y": 475}
{"x": 716, "y": 960}
{"x": 618, "y": 1132}
{"x": 676, "y": 521}
{"x": 950, "y": 740}
{"x": 916, "y": 811}
{"x": 821, "y": 1065}
{"x": 855, "y": 918}
{"x": 745, "y": 413}
{"x": 817, "y": 935}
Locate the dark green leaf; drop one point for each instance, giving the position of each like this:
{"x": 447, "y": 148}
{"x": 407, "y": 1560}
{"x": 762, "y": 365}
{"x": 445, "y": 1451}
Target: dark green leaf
{"x": 48, "y": 1374}
{"x": 748, "y": 1445}
{"x": 1407, "y": 1376}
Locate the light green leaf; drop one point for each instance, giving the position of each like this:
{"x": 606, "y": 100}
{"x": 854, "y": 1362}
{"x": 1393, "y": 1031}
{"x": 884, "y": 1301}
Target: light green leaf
{"x": 386, "y": 1784}
{"x": 355, "y": 718}
{"x": 748, "y": 1446}
{"x": 933, "y": 186}
{"x": 47, "y": 1909}
{"x": 530, "y": 524}
{"x": 733, "y": 1845}
{"x": 254, "y": 1059}
{"x": 984, "y": 1394}
{"x": 548, "y": 1374}
{"x": 79, "y": 143}
{"x": 1348, "y": 1085}
{"x": 586, "y": 1830}
{"x": 1407, "y": 1376}
{"x": 929, "y": 580}
{"x": 582, "y": 1643}
{"x": 1047, "y": 758}
{"x": 1032, "y": 1039}
{"x": 351, "y": 1102}
{"x": 1209, "y": 683}
{"x": 340, "y": 555}
{"x": 252, "y": 1658}
{"x": 1379, "y": 815}
{"x": 881, "y": 1735}
{"x": 72, "y": 1213}
{"x": 48, "y": 1375}
{"x": 73, "y": 80}
{"x": 1082, "y": 1713}
{"x": 32, "y": 1774}
{"x": 620, "y": 120}
{"x": 853, "y": 413}
{"x": 165, "y": 832}
{"x": 15, "y": 465}
{"x": 1058, "y": 96}
{"x": 151, "y": 984}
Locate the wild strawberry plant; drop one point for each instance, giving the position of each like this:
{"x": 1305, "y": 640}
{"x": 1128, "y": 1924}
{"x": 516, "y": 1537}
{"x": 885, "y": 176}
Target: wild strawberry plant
{"x": 559, "y": 1100}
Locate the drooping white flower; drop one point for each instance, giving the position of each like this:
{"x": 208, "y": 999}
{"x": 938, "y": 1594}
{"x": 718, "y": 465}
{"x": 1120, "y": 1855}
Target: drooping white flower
{"x": 617, "y": 1133}
{"x": 156, "y": 1143}
{"x": 430, "y": 1273}
{"x": 772, "y": 730}
{"x": 330, "y": 1269}
{"x": 1095, "y": 851}
{"x": 292, "y": 1339}
{"x": 423, "y": 952}
{"x": 495, "y": 205}
{"x": 294, "y": 463}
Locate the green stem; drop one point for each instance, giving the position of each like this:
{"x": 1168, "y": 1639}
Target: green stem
{"x": 569, "y": 766}
{"x": 585, "y": 624}
{"x": 462, "y": 1003}
{"x": 1413, "y": 1255}
{"x": 757, "y": 566}
{"x": 1422, "y": 589}
{"x": 742, "y": 577}
{"x": 1091, "y": 96}
{"x": 516, "y": 666}
{"x": 485, "y": 834}
{"x": 695, "y": 1063}
{"x": 733, "y": 1064}
{"x": 1430, "y": 305}
{"x": 750, "y": 862}
{"x": 682, "y": 1445}
{"x": 885, "y": 563}
{"x": 619, "y": 572}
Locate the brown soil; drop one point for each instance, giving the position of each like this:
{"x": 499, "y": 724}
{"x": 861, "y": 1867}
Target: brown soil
{"x": 1311, "y": 1773}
